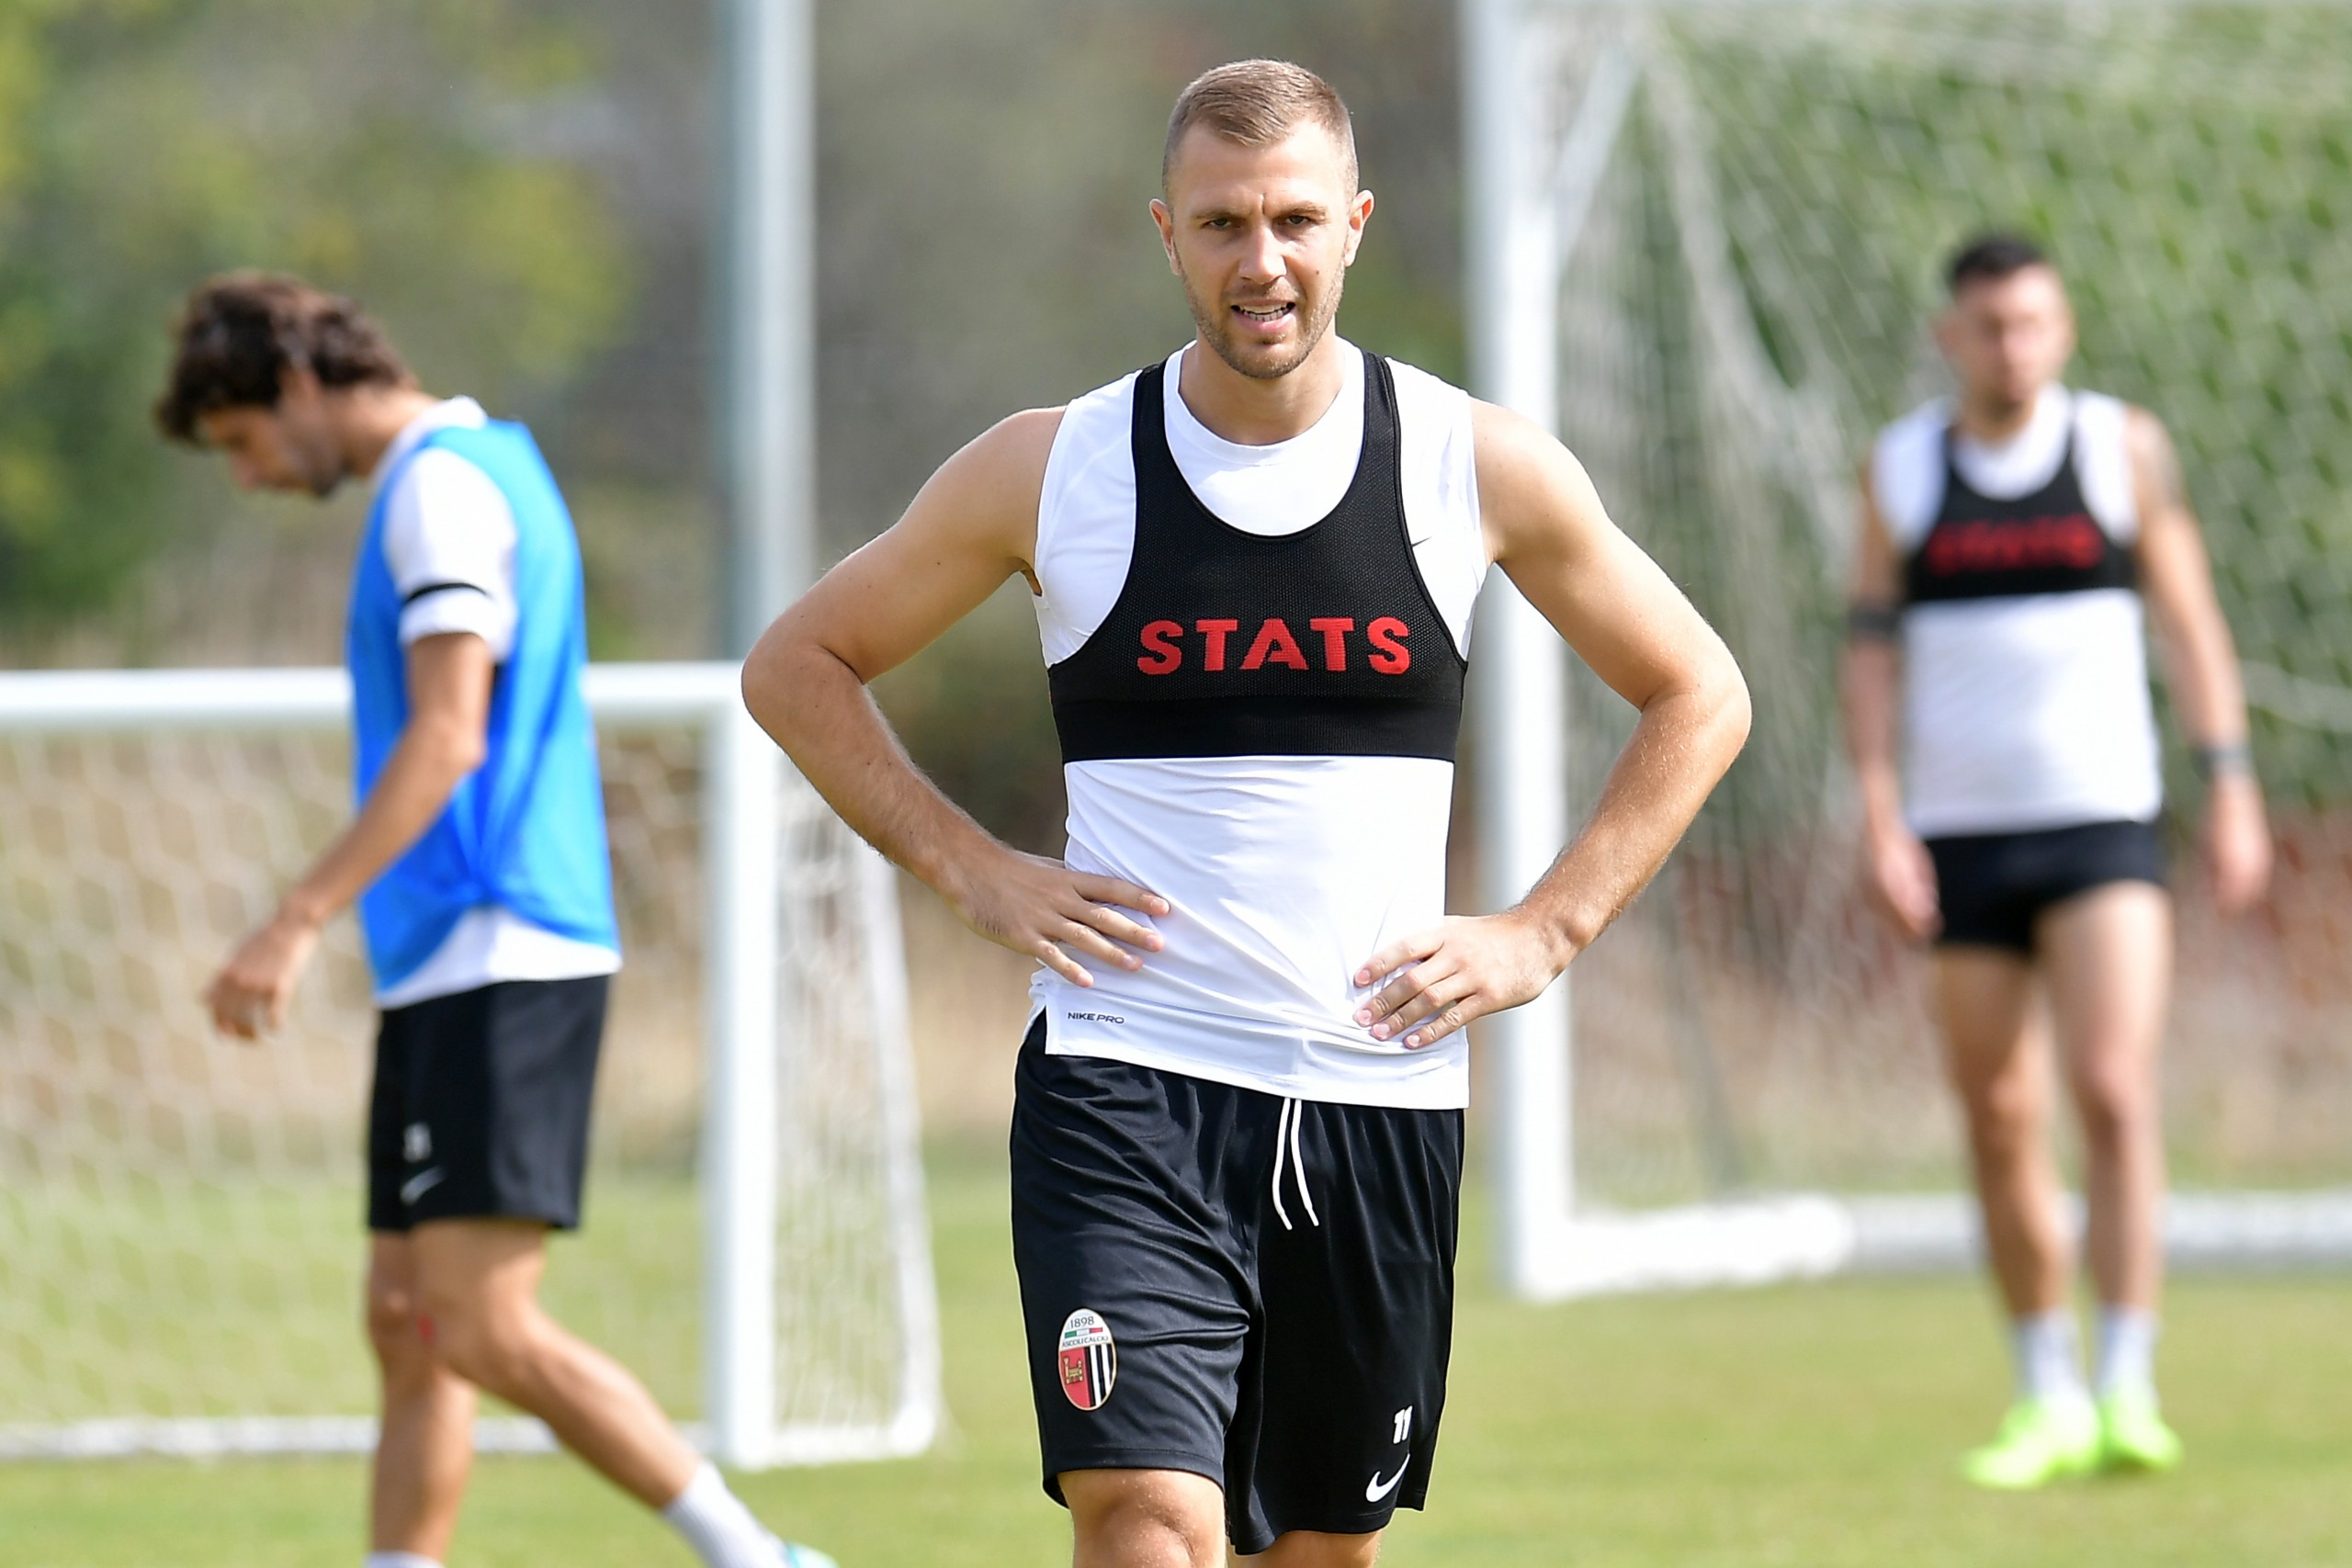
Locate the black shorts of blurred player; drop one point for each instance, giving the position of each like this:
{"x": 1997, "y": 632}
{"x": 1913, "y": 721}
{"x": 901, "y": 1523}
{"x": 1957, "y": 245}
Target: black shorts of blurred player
{"x": 1992, "y": 888}
{"x": 480, "y": 1105}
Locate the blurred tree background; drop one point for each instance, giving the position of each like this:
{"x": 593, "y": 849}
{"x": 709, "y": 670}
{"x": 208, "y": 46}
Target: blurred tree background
{"x": 433, "y": 158}
{"x": 524, "y": 192}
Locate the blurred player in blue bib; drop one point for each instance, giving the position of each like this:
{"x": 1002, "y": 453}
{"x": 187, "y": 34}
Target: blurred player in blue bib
{"x": 478, "y": 860}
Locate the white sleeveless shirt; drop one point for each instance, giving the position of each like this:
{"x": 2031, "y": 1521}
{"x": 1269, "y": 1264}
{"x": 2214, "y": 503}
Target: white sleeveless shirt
{"x": 1286, "y": 872}
{"x": 2029, "y": 710}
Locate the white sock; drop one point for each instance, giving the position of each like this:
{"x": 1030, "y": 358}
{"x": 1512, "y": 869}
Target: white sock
{"x": 716, "y": 1525}
{"x": 2049, "y": 1367}
{"x": 2127, "y": 1352}
{"x": 399, "y": 1560}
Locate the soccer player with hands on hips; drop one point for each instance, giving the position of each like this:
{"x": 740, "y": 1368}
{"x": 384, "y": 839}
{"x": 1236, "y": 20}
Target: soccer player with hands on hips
{"x": 1237, "y": 1135}
{"x": 478, "y": 860}
{"x": 2014, "y": 538}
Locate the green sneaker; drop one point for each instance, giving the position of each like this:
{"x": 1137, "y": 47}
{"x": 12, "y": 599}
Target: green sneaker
{"x": 2134, "y": 1436}
{"x": 2041, "y": 1440}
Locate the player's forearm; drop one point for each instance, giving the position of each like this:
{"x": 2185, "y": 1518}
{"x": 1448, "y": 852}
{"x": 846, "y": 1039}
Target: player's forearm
{"x": 2176, "y": 582}
{"x": 427, "y": 763}
{"x": 1867, "y": 689}
{"x": 814, "y": 707}
{"x": 1681, "y": 747}
{"x": 2202, "y": 667}
{"x": 2207, "y": 689}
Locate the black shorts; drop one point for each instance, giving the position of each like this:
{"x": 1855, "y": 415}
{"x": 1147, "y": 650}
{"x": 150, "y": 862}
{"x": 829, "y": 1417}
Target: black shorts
{"x": 1993, "y": 886}
{"x": 481, "y": 1105}
{"x": 1252, "y": 1289}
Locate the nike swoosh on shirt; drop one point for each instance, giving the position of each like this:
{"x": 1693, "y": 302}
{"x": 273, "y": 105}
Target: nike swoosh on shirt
{"x": 1375, "y": 1489}
{"x": 423, "y": 1181}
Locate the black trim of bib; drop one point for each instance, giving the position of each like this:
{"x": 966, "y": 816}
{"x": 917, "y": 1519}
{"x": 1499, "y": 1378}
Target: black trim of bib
{"x": 2050, "y": 541}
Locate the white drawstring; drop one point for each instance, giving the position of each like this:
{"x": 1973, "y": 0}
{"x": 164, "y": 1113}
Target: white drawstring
{"x": 1282, "y": 1125}
{"x": 1299, "y": 1163}
{"x": 1287, "y": 1142}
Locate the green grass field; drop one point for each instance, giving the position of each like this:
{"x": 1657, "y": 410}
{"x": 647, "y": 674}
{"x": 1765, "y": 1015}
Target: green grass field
{"x": 1814, "y": 1426}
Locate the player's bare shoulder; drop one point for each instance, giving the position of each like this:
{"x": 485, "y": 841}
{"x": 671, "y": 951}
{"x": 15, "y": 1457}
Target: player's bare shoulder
{"x": 987, "y": 495}
{"x": 973, "y": 524}
{"x": 1533, "y": 495}
{"x": 2155, "y": 462}
{"x": 1022, "y": 441}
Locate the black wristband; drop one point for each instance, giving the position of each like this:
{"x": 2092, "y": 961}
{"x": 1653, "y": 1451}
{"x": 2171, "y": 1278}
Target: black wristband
{"x": 1873, "y": 623}
{"x": 2234, "y": 758}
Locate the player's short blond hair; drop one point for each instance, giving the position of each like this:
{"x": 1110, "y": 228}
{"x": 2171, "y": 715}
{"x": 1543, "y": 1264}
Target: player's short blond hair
{"x": 1256, "y": 103}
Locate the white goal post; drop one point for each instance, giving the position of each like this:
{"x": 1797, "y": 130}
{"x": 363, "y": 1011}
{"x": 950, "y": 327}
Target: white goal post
{"x": 161, "y": 808}
{"x": 1605, "y": 195}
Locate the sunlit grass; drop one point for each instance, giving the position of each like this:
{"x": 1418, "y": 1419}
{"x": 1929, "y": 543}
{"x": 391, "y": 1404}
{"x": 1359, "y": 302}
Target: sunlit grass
{"x": 1814, "y": 1426}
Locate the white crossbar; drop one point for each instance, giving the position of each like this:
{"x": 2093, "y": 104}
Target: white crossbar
{"x": 86, "y": 701}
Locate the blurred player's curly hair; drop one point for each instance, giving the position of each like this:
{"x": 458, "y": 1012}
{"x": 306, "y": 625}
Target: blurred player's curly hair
{"x": 239, "y": 334}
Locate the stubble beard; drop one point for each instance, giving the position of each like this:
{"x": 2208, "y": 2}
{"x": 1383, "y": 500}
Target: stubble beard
{"x": 1215, "y": 324}
{"x": 325, "y": 470}
{"x": 1994, "y": 402}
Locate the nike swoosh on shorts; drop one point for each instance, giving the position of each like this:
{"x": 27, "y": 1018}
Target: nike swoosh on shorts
{"x": 424, "y": 1181}
{"x": 1375, "y": 1489}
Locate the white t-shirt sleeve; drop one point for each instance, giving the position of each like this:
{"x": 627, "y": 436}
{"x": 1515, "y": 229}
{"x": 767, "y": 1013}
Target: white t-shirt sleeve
{"x": 449, "y": 543}
{"x": 1907, "y": 474}
{"x": 1086, "y": 515}
{"x": 1438, "y": 470}
{"x": 2103, "y": 461}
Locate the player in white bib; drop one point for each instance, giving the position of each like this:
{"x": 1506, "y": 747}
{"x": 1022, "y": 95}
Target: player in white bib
{"x": 1237, "y": 1135}
{"x": 2011, "y": 540}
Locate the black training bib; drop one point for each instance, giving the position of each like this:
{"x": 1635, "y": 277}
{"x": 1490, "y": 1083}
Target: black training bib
{"x": 1983, "y": 547}
{"x": 1223, "y": 643}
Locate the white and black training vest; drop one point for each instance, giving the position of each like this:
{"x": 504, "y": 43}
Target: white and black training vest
{"x": 1260, "y": 725}
{"x": 2026, "y": 699}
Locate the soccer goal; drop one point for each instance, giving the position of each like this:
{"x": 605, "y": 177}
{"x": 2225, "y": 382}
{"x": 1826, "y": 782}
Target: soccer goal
{"x": 1703, "y": 240}
{"x": 180, "y": 1215}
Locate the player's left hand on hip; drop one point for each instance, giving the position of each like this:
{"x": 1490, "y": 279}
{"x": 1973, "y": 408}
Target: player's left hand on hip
{"x": 1437, "y": 981}
{"x": 248, "y": 998}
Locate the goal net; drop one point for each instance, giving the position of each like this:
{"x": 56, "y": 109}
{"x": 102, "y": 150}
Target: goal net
{"x": 1720, "y": 226}
{"x": 181, "y": 1215}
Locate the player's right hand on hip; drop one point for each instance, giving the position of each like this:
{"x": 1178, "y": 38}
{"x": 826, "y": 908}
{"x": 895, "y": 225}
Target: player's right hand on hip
{"x": 1058, "y": 916}
{"x": 1901, "y": 880}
